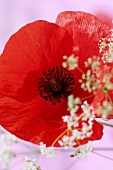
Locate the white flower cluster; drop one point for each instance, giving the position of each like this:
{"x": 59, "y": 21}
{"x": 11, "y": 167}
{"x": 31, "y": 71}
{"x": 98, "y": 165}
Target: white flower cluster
{"x": 79, "y": 126}
{"x": 6, "y": 154}
{"x": 48, "y": 151}
{"x": 67, "y": 141}
{"x": 96, "y": 77}
{"x": 71, "y": 62}
{"x": 104, "y": 78}
{"x": 102, "y": 45}
{"x": 8, "y": 139}
{"x": 88, "y": 82}
{"x": 93, "y": 62}
{"x": 31, "y": 164}
{"x": 107, "y": 44}
{"x": 104, "y": 109}
{"x": 73, "y": 104}
{"x": 82, "y": 151}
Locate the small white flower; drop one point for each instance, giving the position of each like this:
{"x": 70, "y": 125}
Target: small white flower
{"x": 31, "y": 164}
{"x": 104, "y": 109}
{"x": 71, "y": 62}
{"x": 107, "y": 53}
{"x": 88, "y": 81}
{"x": 73, "y": 104}
{"x": 71, "y": 120}
{"x": 6, "y": 154}
{"x": 83, "y": 151}
{"x": 77, "y": 134}
{"x": 48, "y": 151}
{"x": 67, "y": 141}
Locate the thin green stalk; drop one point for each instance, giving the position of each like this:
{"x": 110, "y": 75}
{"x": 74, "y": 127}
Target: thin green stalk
{"x": 106, "y": 124}
{"x": 104, "y": 156}
{"x": 108, "y": 96}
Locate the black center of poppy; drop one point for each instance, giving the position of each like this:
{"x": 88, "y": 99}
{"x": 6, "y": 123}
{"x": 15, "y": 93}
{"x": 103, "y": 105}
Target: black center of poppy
{"x": 56, "y": 84}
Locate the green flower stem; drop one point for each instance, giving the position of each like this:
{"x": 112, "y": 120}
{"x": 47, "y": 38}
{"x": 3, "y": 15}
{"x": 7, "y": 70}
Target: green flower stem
{"x": 108, "y": 96}
{"x": 106, "y": 124}
{"x": 104, "y": 156}
{"x": 103, "y": 149}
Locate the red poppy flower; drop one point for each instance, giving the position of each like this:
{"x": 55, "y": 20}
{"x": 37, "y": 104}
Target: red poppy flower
{"x": 33, "y": 84}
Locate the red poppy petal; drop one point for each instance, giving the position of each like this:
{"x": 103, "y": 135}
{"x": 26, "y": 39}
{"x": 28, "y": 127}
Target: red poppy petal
{"x": 105, "y": 18}
{"x": 36, "y": 47}
{"x": 97, "y": 131}
{"x": 26, "y": 122}
{"x": 99, "y": 97}
{"x": 86, "y": 31}
{"x": 21, "y": 120}
{"x": 38, "y": 107}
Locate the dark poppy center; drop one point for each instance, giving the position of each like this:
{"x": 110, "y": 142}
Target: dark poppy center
{"x": 56, "y": 84}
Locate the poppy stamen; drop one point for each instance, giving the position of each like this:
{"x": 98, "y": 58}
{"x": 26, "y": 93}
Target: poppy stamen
{"x": 56, "y": 84}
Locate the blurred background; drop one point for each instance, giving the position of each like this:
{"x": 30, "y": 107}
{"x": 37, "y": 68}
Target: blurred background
{"x": 13, "y": 15}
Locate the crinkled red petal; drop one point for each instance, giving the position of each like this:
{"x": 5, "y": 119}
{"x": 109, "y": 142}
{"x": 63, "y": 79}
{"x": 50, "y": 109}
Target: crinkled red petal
{"x": 105, "y": 18}
{"x": 86, "y": 31}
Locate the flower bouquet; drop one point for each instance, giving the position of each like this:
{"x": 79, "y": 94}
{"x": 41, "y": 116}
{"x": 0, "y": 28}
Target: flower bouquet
{"x": 56, "y": 81}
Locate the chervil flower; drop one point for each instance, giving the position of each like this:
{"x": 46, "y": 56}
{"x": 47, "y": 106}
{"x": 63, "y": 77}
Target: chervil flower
{"x": 82, "y": 152}
{"x": 103, "y": 100}
{"x": 31, "y": 164}
{"x": 33, "y": 84}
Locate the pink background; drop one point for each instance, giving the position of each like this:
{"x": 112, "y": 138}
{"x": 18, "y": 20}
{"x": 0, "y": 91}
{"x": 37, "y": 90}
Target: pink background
{"x": 13, "y": 15}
